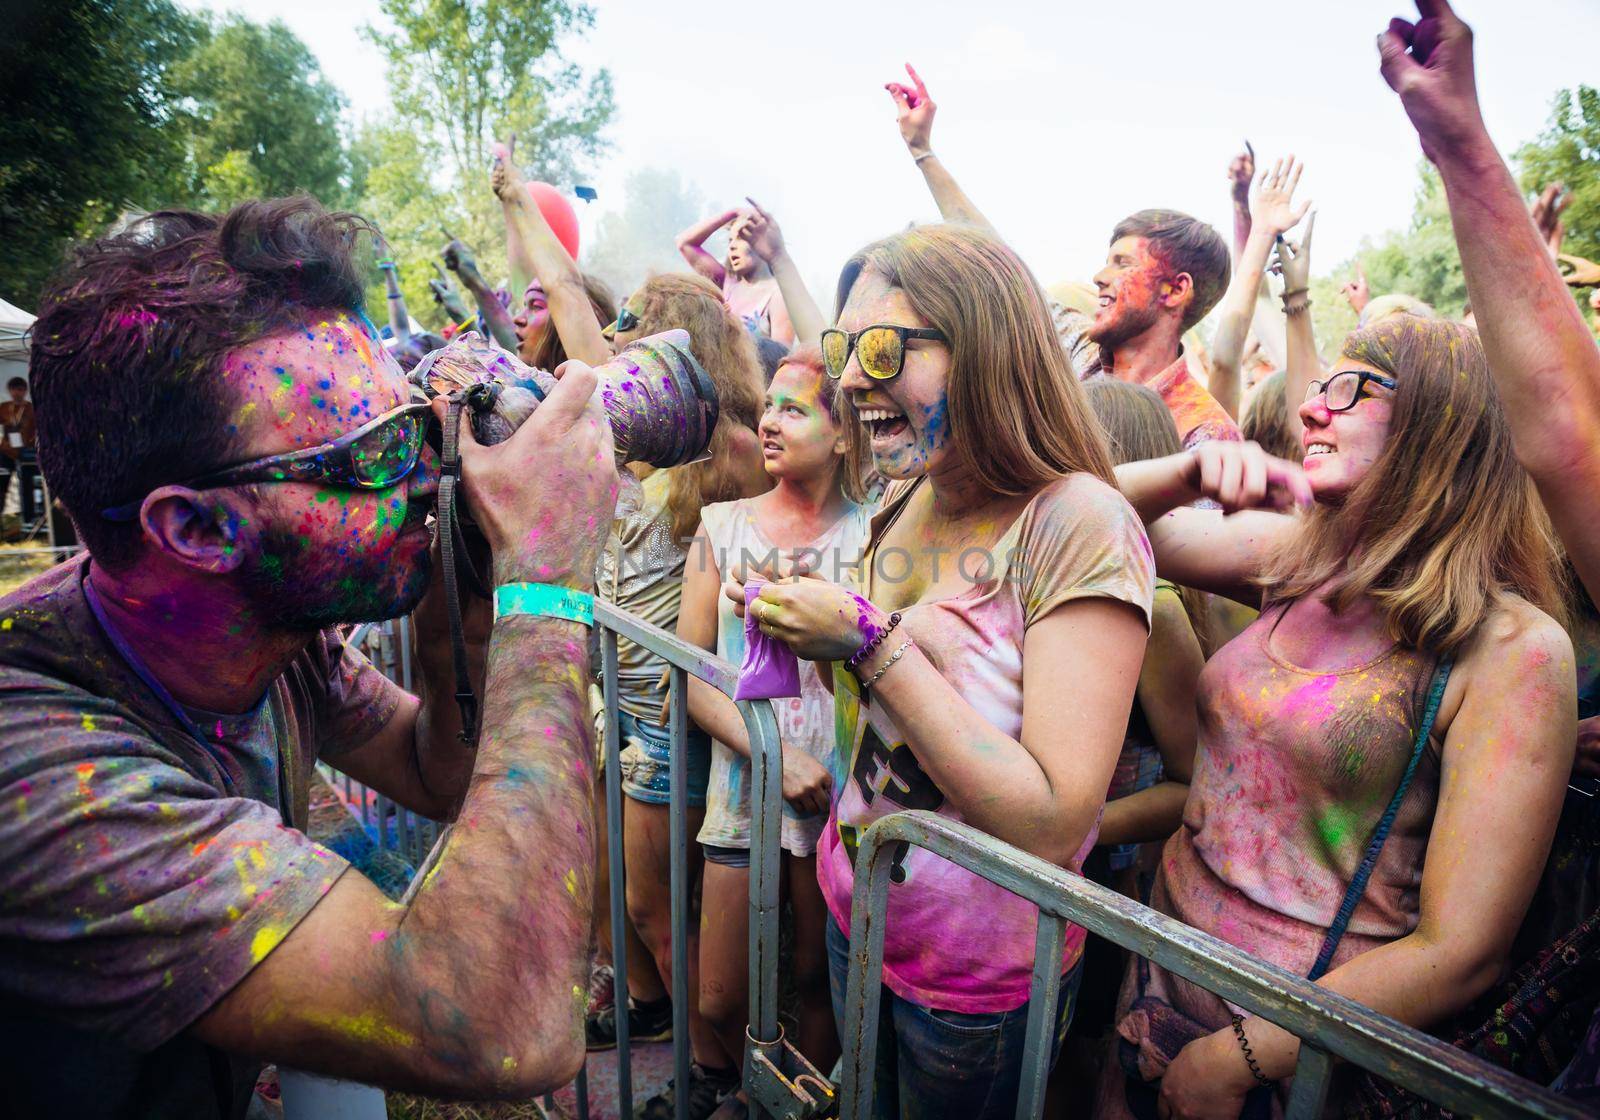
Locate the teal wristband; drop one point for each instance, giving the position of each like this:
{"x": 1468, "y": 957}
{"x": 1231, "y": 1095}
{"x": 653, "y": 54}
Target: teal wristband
{"x": 544, "y": 600}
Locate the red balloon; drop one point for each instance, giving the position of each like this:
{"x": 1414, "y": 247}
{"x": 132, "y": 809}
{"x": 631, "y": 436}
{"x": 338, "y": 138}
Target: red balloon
{"x": 559, "y": 213}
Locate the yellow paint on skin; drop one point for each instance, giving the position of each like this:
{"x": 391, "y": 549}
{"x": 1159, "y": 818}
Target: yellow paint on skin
{"x": 369, "y": 1026}
{"x": 265, "y": 940}
{"x": 572, "y": 883}
{"x": 5, "y": 624}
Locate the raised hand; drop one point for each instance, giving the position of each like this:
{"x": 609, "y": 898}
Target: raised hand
{"x": 1429, "y": 64}
{"x": 459, "y": 259}
{"x": 1241, "y": 173}
{"x": 1356, "y": 290}
{"x": 1272, "y": 207}
{"x": 760, "y": 231}
{"x": 914, "y": 111}
{"x": 505, "y": 177}
{"x": 1294, "y": 260}
{"x": 1546, "y": 212}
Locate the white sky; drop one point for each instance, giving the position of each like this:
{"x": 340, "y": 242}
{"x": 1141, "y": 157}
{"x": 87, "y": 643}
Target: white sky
{"x": 1058, "y": 118}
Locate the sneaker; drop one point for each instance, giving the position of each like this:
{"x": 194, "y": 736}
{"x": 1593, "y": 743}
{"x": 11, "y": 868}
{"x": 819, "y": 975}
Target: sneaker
{"x": 602, "y": 989}
{"x": 708, "y": 1088}
{"x": 647, "y": 1022}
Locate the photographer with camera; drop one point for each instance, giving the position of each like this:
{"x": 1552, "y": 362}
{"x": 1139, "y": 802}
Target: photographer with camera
{"x": 241, "y": 461}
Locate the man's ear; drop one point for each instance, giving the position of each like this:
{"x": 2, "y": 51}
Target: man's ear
{"x": 1177, "y": 291}
{"x": 210, "y": 531}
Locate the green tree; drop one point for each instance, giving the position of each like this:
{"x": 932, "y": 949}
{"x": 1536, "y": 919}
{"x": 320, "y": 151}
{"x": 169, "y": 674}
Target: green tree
{"x": 88, "y": 124}
{"x": 1568, "y": 151}
{"x": 462, "y": 74}
{"x": 262, "y": 119}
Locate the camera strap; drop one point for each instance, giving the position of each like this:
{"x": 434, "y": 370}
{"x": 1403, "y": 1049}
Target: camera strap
{"x": 457, "y": 563}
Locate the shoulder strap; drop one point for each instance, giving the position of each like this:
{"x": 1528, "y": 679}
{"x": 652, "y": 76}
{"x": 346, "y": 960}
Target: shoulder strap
{"x": 1358, "y": 884}
{"x": 294, "y": 788}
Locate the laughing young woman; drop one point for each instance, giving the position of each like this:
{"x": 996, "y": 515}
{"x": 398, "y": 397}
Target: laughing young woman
{"x": 1424, "y": 548}
{"x": 987, "y": 666}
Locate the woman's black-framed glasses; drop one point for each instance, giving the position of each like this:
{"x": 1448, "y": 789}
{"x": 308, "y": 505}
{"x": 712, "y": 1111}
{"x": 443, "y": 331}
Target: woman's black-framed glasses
{"x": 881, "y": 348}
{"x": 375, "y": 456}
{"x": 1345, "y": 388}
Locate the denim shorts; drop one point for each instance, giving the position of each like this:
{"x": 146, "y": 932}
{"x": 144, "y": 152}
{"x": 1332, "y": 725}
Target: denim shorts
{"x": 646, "y": 758}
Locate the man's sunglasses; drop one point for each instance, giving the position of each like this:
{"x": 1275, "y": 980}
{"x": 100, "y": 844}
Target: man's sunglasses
{"x": 375, "y": 456}
{"x": 1344, "y": 389}
{"x": 881, "y": 349}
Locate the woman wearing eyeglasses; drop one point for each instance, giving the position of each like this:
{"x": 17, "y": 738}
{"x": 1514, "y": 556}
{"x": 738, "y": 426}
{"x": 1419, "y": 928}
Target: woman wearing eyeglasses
{"x": 1414, "y": 589}
{"x": 985, "y": 665}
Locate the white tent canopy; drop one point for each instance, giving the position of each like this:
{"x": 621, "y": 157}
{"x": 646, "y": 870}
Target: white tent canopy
{"x": 14, "y": 323}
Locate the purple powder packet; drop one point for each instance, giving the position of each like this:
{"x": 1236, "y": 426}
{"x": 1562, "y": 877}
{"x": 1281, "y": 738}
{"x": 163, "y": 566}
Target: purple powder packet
{"x": 770, "y": 669}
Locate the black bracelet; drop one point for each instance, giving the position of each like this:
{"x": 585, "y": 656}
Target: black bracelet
{"x": 1249, "y": 1055}
{"x": 855, "y": 660}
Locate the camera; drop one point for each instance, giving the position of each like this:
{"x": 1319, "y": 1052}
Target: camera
{"x": 661, "y": 403}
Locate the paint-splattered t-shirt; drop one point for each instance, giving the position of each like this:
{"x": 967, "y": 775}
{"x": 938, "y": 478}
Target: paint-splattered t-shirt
{"x": 805, "y": 722}
{"x": 1194, "y": 410}
{"x": 145, "y": 873}
{"x": 954, "y": 940}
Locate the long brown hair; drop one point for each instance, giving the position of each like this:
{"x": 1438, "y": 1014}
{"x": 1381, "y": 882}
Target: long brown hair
{"x": 1139, "y": 425}
{"x": 1018, "y": 418}
{"x": 682, "y": 301}
{"x": 544, "y": 349}
{"x": 1445, "y": 528}
{"x": 1266, "y": 419}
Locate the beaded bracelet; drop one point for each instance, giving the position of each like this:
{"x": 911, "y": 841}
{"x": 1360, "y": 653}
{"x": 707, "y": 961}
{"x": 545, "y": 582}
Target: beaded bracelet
{"x": 893, "y": 657}
{"x": 1249, "y": 1056}
{"x": 855, "y": 659}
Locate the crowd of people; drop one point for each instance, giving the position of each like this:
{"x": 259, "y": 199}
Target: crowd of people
{"x": 1293, "y": 640}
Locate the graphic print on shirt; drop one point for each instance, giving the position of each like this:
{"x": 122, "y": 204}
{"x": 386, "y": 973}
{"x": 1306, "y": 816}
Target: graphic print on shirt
{"x": 891, "y": 772}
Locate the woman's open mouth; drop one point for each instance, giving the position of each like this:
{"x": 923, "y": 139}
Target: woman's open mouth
{"x": 884, "y": 423}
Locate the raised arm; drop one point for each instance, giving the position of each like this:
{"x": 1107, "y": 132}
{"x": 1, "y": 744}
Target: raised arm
{"x": 1272, "y": 211}
{"x": 1241, "y": 173}
{"x": 1217, "y": 551}
{"x": 548, "y": 262}
{"x": 473, "y": 986}
{"x": 459, "y": 259}
{"x": 690, "y": 241}
{"x": 760, "y": 231}
{"x": 1303, "y": 365}
{"x": 914, "y": 111}
{"x": 1543, "y": 358}
{"x": 447, "y": 296}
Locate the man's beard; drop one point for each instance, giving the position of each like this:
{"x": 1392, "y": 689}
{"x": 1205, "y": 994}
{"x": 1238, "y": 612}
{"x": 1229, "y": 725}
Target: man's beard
{"x": 1128, "y": 322}
{"x": 295, "y": 588}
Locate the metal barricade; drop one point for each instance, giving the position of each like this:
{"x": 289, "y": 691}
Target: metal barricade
{"x": 1329, "y": 1025}
{"x": 777, "y": 1079}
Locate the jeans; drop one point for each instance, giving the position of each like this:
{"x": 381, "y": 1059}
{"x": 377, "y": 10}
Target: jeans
{"x": 646, "y": 761}
{"x": 934, "y": 1063}
{"x": 25, "y": 474}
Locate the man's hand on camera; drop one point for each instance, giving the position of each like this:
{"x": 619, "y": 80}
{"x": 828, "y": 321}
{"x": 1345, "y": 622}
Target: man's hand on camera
{"x": 544, "y": 498}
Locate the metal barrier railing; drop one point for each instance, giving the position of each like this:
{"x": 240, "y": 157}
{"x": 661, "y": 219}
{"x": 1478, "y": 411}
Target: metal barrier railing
{"x": 1329, "y": 1025}
{"x": 777, "y": 1079}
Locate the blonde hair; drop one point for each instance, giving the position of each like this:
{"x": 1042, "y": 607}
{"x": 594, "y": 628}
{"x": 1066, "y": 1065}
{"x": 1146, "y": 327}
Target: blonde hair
{"x": 1395, "y": 303}
{"x": 1445, "y": 528}
{"x": 726, "y": 350}
{"x": 1139, "y": 425}
{"x": 809, "y": 358}
{"x": 1266, "y": 419}
{"x": 1017, "y": 414}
